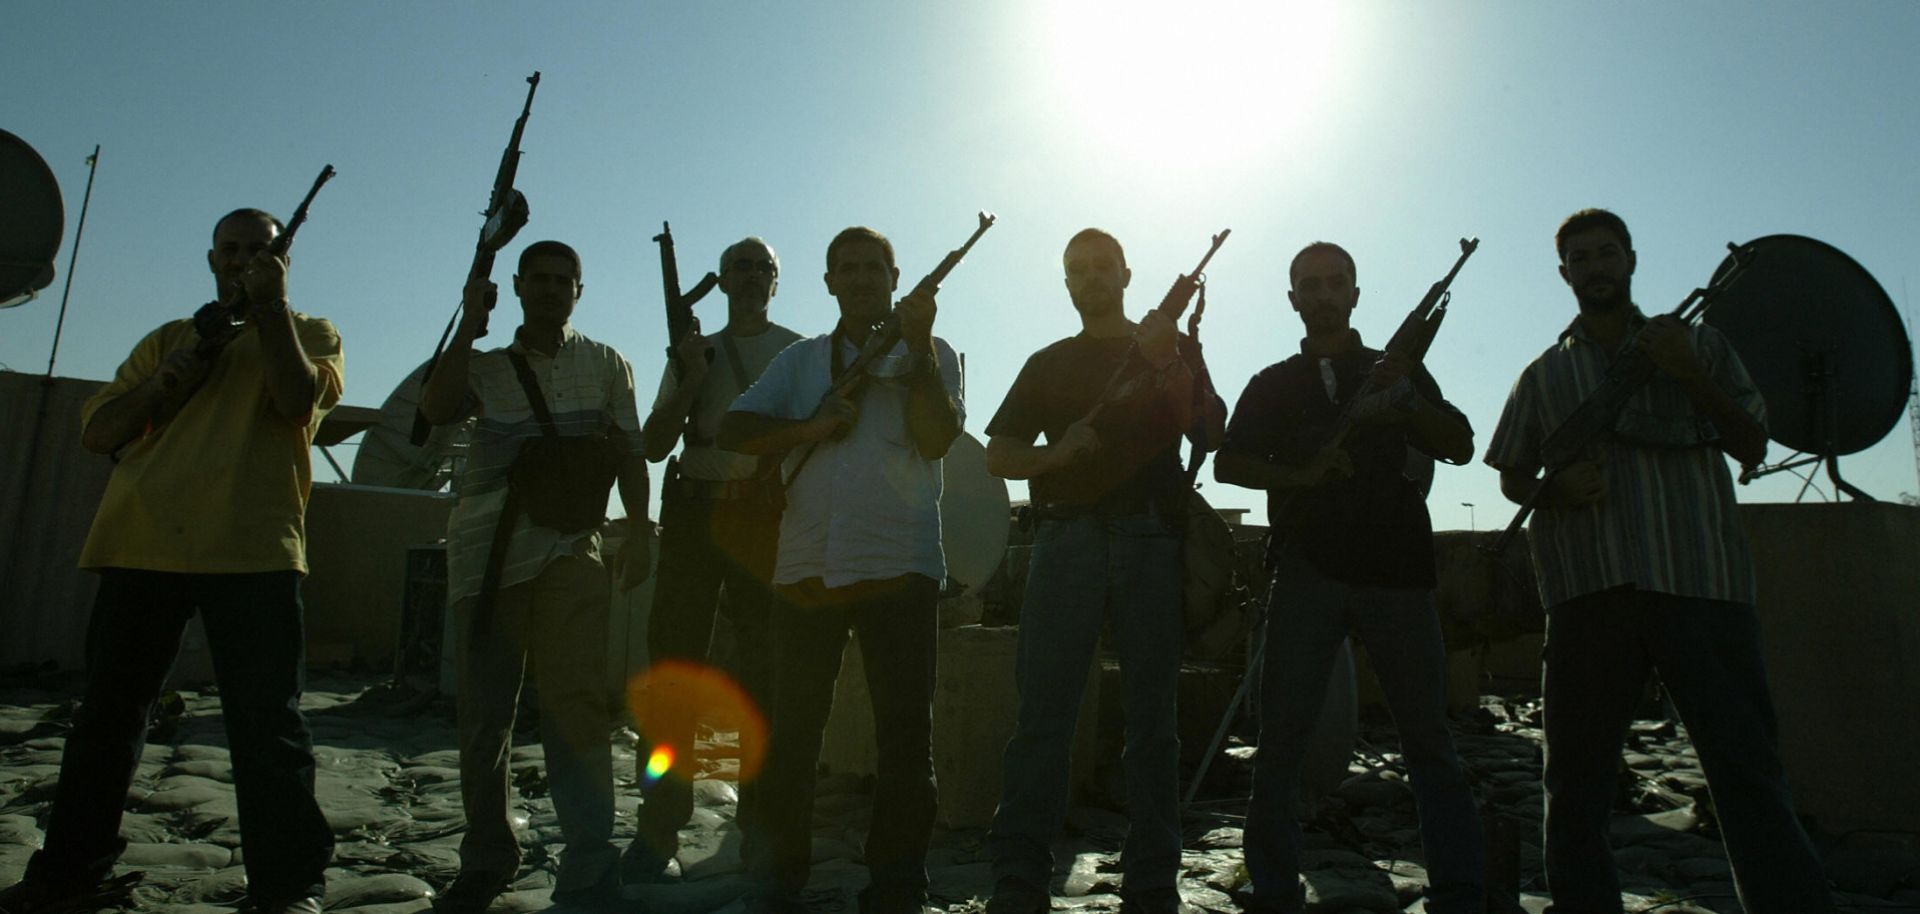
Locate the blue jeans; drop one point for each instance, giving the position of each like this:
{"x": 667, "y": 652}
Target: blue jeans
{"x": 255, "y": 634}
{"x": 1308, "y": 615}
{"x": 1600, "y": 649}
{"x": 1082, "y": 569}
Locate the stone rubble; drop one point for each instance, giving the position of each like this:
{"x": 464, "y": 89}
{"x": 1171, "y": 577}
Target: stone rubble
{"x": 389, "y": 783}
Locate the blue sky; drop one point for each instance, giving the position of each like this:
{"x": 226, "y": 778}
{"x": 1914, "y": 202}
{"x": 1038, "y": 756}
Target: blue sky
{"x": 1391, "y": 128}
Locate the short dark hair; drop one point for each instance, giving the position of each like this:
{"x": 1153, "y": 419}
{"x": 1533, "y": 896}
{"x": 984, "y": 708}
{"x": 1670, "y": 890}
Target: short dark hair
{"x": 1095, "y": 234}
{"x": 1586, "y": 220}
{"x": 726, "y": 256}
{"x": 855, "y": 234}
{"x": 1323, "y": 247}
{"x": 250, "y": 213}
{"x": 549, "y": 249}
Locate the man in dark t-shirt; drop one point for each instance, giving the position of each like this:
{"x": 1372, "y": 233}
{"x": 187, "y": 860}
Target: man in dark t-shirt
{"x": 1109, "y": 497}
{"x": 1352, "y": 552}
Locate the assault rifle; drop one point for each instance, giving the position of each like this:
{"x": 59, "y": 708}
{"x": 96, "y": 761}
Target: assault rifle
{"x": 217, "y": 322}
{"x": 853, "y": 379}
{"x": 1413, "y": 338}
{"x": 887, "y": 332}
{"x": 506, "y": 214}
{"x": 1133, "y": 369}
{"x": 1594, "y": 418}
{"x": 679, "y": 304}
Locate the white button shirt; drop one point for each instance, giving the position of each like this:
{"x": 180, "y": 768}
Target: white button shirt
{"x": 865, "y": 507}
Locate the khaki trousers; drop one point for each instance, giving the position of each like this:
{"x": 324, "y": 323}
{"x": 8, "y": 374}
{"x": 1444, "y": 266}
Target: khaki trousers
{"x": 558, "y": 621}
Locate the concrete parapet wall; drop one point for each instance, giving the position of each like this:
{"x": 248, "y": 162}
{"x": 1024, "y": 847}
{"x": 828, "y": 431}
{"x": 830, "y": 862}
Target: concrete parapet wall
{"x": 1839, "y": 592}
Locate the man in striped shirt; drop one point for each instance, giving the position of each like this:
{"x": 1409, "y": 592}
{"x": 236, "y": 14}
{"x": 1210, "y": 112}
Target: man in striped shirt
{"x": 551, "y": 600}
{"x": 1643, "y": 567}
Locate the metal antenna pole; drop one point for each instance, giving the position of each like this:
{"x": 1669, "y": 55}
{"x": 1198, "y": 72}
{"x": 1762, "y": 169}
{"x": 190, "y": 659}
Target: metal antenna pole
{"x": 93, "y": 165}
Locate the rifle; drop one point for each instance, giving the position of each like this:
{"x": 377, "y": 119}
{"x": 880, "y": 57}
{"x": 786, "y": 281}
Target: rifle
{"x": 679, "y": 304}
{"x": 506, "y": 214}
{"x": 1413, "y": 338}
{"x": 1596, "y": 415}
{"x": 881, "y": 340}
{"x": 887, "y": 332}
{"x": 216, "y": 321}
{"x": 1133, "y": 368}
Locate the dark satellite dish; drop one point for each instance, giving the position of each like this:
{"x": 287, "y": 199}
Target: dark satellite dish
{"x": 32, "y": 219}
{"x": 1823, "y": 342}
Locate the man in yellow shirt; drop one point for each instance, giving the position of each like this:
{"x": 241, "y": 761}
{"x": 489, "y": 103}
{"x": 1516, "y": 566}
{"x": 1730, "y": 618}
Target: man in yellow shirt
{"x": 204, "y": 513}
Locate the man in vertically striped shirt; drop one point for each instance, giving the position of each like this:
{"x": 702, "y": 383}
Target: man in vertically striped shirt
{"x": 549, "y": 605}
{"x": 1643, "y": 567}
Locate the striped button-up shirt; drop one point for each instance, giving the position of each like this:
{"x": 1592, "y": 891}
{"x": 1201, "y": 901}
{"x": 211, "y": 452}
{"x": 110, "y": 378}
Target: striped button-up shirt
{"x": 1668, "y": 522}
{"x": 588, "y": 388}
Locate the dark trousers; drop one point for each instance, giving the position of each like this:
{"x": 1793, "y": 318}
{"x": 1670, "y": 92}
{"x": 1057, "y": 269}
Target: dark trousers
{"x": 1084, "y": 571}
{"x": 255, "y": 634}
{"x": 706, "y": 544}
{"x": 1600, "y": 649}
{"x": 1309, "y": 615}
{"x": 898, "y": 628}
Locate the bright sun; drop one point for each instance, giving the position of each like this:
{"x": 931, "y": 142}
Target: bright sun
{"x": 1200, "y": 82}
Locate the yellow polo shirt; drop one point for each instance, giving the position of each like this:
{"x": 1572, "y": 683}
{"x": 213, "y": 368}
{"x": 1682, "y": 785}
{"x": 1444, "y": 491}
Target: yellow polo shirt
{"x": 222, "y": 488}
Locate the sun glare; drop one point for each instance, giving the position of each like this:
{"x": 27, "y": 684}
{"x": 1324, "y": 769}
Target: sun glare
{"x": 1202, "y": 82}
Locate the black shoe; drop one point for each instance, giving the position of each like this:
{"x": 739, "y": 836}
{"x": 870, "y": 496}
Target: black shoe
{"x": 641, "y": 864}
{"x": 893, "y": 901}
{"x": 600, "y": 896}
{"x": 39, "y": 896}
{"x": 1013, "y": 895}
{"x": 471, "y": 893}
{"x": 1165, "y": 900}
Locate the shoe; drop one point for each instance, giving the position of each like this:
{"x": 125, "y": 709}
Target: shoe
{"x": 600, "y": 896}
{"x": 1013, "y": 895}
{"x": 1164, "y": 900}
{"x": 39, "y": 896}
{"x": 471, "y": 893}
{"x": 640, "y": 864}
{"x": 894, "y": 902}
{"x": 308, "y": 905}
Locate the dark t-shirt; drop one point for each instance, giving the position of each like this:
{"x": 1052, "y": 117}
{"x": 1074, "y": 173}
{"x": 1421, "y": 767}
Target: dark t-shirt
{"x": 1139, "y": 455}
{"x": 1370, "y": 529}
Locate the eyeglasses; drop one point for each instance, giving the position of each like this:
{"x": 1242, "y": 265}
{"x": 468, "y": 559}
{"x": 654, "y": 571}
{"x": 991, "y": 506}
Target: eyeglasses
{"x": 758, "y": 266}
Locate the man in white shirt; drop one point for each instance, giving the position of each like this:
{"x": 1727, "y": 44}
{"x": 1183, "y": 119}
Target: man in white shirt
{"x": 859, "y": 551}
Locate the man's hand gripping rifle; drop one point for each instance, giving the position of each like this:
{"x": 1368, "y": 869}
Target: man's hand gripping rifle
{"x": 506, "y": 214}
{"x": 853, "y": 379}
{"x": 1134, "y": 368}
{"x": 885, "y": 334}
{"x": 1411, "y": 340}
{"x": 679, "y": 304}
{"x": 217, "y": 322}
{"x": 1594, "y": 418}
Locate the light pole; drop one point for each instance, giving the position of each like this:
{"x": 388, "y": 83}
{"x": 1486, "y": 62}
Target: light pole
{"x": 1469, "y": 506}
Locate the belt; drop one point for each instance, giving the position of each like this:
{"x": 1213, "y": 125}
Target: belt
{"x": 724, "y": 490}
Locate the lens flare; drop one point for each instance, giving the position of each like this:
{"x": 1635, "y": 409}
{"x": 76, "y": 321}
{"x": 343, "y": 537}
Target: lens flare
{"x": 674, "y": 699}
{"x": 659, "y": 763}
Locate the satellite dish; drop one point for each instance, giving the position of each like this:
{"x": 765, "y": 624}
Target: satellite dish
{"x": 387, "y": 458}
{"x": 32, "y": 219}
{"x": 974, "y": 514}
{"x": 1823, "y": 342}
